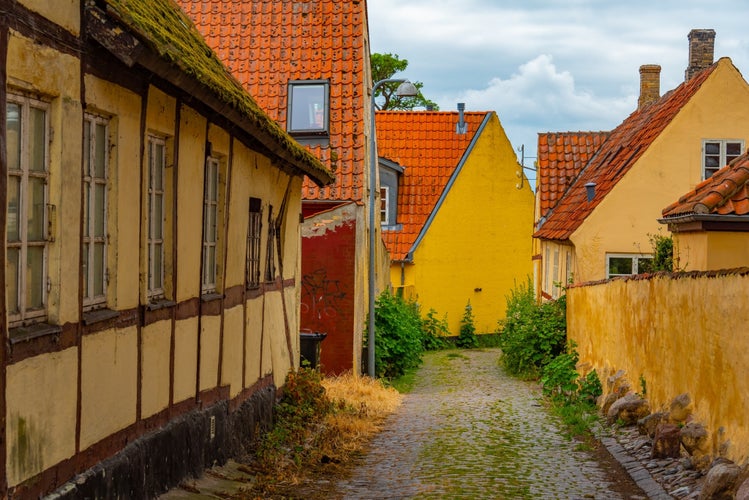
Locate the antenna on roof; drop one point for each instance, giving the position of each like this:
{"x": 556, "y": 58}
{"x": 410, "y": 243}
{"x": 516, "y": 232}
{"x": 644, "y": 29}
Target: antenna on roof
{"x": 521, "y": 173}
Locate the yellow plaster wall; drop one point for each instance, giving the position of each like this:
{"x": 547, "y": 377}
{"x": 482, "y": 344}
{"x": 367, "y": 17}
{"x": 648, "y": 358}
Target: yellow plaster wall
{"x": 275, "y": 335}
{"x": 66, "y": 13}
{"x": 254, "y": 345}
{"x": 41, "y": 395}
{"x": 125, "y": 140}
{"x": 190, "y": 180}
{"x": 480, "y": 238}
{"x": 155, "y": 347}
{"x": 109, "y": 380}
{"x": 669, "y": 168}
{"x": 185, "y": 359}
{"x": 231, "y": 369}
{"x": 708, "y": 250}
{"x": 679, "y": 335}
{"x": 210, "y": 337}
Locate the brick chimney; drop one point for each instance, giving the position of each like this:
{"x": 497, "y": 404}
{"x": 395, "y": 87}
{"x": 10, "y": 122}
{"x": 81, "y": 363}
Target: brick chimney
{"x": 650, "y": 85}
{"x": 701, "y": 48}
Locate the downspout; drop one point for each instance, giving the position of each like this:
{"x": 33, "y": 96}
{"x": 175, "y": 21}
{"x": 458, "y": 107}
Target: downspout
{"x": 403, "y": 274}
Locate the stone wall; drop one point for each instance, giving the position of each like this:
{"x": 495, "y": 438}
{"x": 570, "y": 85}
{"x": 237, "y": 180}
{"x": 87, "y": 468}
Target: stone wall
{"x": 674, "y": 334}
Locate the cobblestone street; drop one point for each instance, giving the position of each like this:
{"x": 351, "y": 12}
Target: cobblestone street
{"x": 467, "y": 430}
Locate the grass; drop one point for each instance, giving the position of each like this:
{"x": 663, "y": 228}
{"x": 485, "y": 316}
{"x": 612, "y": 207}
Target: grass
{"x": 349, "y": 411}
{"x": 578, "y": 419}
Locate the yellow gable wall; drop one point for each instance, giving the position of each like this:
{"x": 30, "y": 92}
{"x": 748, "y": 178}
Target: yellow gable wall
{"x": 479, "y": 239}
{"x": 668, "y": 169}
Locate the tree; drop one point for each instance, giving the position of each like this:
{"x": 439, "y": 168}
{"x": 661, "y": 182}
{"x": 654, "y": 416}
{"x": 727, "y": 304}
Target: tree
{"x": 384, "y": 66}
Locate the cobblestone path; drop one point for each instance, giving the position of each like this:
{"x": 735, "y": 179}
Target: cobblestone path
{"x": 467, "y": 430}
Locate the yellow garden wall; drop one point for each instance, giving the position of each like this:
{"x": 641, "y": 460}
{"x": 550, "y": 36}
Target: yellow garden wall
{"x": 680, "y": 334}
{"x": 479, "y": 243}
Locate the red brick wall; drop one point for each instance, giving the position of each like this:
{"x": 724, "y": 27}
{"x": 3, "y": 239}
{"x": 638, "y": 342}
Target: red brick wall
{"x": 327, "y": 302}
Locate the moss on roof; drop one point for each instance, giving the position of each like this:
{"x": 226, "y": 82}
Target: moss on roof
{"x": 163, "y": 27}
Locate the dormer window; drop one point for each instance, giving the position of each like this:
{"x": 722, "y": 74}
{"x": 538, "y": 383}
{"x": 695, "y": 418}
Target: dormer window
{"x": 308, "y": 108}
{"x": 390, "y": 173}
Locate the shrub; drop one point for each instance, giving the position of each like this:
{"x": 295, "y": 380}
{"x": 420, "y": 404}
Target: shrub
{"x": 532, "y": 334}
{"x": 435, "y": 331}
{"x": 467, "y": 338}
{"x": 559, "y": 378}
{"x": 398, "y": 335}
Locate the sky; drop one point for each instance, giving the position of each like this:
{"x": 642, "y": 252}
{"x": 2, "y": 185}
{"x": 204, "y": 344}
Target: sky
{"x": 550, "y": 65}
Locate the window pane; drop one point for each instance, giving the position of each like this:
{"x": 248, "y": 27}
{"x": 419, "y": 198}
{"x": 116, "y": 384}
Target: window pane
{"x": 712, "y": 162}
{"x": 14, "y": 200}
{"x": 733, "y": 148}
{"x": 13, "y": 124}
{"x": 211, "y": 218}
{"x": 645, "y": 265}
{"x": 209, "y": 266}
{"x": 157, "y": 216}
{"x": 86, "y": 269}
{"x": 98, "y": 269}
{"x": 87, "y": 148}
{"x": 157, "y": 261}
{"x": 34, "y": 277}
{"x": 100, "y": 152}
{"x": 308, "y": 107}
{"x": 157, "y": 182}
{"x": 712, "y": 148}
{"x": 35, "y": 209}
{"x": 100, "y": 193}
{"x": 11, "y": 280}
{"x": 620, "y": 265}
{"x": 86, "y": 209}
{"x": 37, "y": 140}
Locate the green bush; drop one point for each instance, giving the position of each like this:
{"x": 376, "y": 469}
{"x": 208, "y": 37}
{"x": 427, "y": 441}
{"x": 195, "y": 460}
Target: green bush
{"x": 435, "y": 331}
{"x": 398, "y": 335}
{"x": 467, "y": 338}
{"x": 532, "y": 334}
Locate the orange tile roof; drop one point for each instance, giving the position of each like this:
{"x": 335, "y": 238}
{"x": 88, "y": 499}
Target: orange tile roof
{"x": 615, "y": 157}
{"x": 425, "y": 144}
{"x": 561, "y": 156}
{"x": 266, "y": 43}
{"x": 725, "y": 193}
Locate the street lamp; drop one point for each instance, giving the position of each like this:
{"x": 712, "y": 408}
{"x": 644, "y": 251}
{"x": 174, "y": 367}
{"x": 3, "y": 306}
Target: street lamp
{"x": 405, "y": 89}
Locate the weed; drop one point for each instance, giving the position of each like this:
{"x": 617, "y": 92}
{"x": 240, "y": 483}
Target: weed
{"x": 435, "y": 331}
{"x": 467, "y": 338}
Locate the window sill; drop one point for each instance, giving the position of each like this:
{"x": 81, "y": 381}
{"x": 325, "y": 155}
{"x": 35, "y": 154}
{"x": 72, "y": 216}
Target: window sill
{"x": 21, "y": 334}
{"x": 160, "y": 304}
{"x": 392, "y": 227}
{"x": 210, "y": 297}
{"x": 99, "y": 316}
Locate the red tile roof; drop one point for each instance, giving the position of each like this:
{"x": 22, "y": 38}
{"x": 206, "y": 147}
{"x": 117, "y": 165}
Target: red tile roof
{"x": 725, "y": 193}
{"x": 266, "y": 43}
{"x": 616, "y": 156}
{"x": 561, "y": 156}
{"x": 425, "y": 144}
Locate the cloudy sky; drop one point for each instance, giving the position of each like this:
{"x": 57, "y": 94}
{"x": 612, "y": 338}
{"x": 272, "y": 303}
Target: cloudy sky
{"x": 550, "y": 65}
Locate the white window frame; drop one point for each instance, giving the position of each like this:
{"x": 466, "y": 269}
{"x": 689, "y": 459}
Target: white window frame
{"x": 385, "y": 205}
{"x": 635, "y": 262}
{"x": 26, "y": 313}
{"x": 723, "y": 157}
{"x": 555, "y": 277}
{"x": 210, "y": 225}
{"x": 156, "y": 225}
{"x": 91, "y": 299}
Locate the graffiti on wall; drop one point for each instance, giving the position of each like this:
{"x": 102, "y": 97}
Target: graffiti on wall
{"x": 320, "y": 296}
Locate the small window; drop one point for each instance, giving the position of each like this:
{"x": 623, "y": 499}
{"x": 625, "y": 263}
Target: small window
{"x": 95, "y": 178}
{"x": 156, "y": 216}
{"x": 555, "y": 276}
{"x": 627, "y": 265}
{"x": 270, "y": 261}
{"x": 384, "y": 204}
{"x": 308, "y": 108}
{"x": 27, "y": 133}
{"x": 210, "y": 224}
{"x": 253, "y": 243}
{"x": 716, "y": 154}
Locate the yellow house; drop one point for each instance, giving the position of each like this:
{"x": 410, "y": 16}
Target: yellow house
{"x": 710, "y": 223}
{"x": 456, "y": 216}
{"x": 150, "y": 306}
{"x": 600, "y": 227}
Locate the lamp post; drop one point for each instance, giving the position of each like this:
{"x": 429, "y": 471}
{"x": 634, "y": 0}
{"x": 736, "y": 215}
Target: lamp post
{"x": 405, "y": 89}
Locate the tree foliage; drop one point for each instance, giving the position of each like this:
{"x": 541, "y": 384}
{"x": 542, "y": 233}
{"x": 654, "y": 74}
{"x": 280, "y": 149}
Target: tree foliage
{"x": 384, "y": 67}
